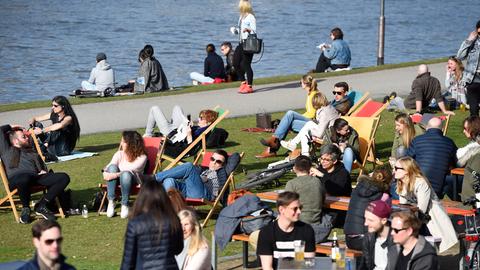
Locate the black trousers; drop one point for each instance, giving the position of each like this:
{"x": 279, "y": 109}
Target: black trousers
{"x": 324, "y": 63}
{"x": 473, "y": 98}
{"x": 55, "y": 183}
{"x": 242, "y": 62}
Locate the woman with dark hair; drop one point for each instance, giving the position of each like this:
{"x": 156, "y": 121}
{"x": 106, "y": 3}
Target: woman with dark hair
{"x": 125, "y": 163}
{"x": 61, "y": 137}
{"x": 368, "y": 189}
{"x": 151, "y": 77}
{"x": 346, "y": 139}
{"x": 247, "y": 24}
{"x": 154, "y": 233}
{"x": 334, "y": 56}
{"x": 415, "y": 189}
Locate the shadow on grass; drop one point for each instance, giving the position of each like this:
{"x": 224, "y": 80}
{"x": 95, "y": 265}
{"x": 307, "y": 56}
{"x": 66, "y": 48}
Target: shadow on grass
{"x": 98, "y": 148}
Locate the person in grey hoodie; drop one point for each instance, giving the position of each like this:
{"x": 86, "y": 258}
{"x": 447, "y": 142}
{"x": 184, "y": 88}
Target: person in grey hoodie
{"x": 101, "y": 76}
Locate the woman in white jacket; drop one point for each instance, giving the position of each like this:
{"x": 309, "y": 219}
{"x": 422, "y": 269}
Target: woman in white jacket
{"x": 196, "y": 254}
{"x": 414, "y": 188}
{"x": 326, "y": 114}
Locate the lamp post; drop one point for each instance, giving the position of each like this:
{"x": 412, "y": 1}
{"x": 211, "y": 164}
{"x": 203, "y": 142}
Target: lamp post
{"x": 381, "y": 34}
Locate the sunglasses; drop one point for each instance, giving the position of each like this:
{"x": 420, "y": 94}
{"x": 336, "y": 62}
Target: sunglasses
{"x": 296, "y": 209}
{"x": 337, "y": 92}
{"x": 218, "y": 161}
{"x": 50, "y": 241}
{"x": 326, "y": 159}
{"x": 397, "y": 168}
{"x": 55, "y": 105}
{"x": 396, "y": 231}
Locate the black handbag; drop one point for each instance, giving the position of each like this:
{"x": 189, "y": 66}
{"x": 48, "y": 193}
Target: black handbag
{"x": 252, "y": 44}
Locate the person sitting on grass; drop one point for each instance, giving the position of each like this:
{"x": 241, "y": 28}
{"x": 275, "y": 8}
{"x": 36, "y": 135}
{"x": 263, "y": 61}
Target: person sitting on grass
{"x": 125, "y": 164}
{"x": 312, "y": 194}
{"x": 292, "y": 120}
{"x": 276, "y": 240}
{"x": 325, "y": 116}
{"x": 213, "y": 69}
{"x": 195, "y": 254}
{"x": 332, "y": 172}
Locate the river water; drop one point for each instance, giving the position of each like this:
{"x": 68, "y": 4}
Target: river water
{"x": 48, "y": 47}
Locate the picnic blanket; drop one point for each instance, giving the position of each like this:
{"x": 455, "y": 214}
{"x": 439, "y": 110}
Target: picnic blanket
{"x": 75, "y": 155}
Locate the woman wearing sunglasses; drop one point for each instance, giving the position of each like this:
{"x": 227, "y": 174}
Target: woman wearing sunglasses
{"x": 61, "y": 136}
{"x": 292, "y": 120}
{"x": 414, "y": 188}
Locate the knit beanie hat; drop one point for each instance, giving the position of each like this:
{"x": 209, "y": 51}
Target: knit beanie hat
{"x": 380, "y": 209}
{"x": 101, "y": 56}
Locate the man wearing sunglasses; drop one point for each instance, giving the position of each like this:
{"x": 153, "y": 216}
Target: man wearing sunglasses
{"x": 470, "y": 50}
{"x": 341, "y": 102}
{"x": 25, "y": 169}
{"x": 415, "y": 252}
{"x": 47, "y": 239}
{"x": 197, "y": 182}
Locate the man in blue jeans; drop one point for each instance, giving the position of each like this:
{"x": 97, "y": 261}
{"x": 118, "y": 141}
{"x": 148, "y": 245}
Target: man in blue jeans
{"x": 194, "y": 181}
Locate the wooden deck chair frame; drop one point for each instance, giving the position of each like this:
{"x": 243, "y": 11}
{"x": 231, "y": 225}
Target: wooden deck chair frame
{"x": 445, "y": 123}
{"x": 358, "y": 103}
{"x": 135, "y": 188}
{"x": 10, "y": 193}
{"x": 202, "y": 138}
{"x": 366, "y": 128}
{"x": 365, "y": 105}
{"x": 230, "y": 182}
{"x": 36, "y": 144}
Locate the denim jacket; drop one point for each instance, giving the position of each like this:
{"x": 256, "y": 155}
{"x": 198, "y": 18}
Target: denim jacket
{"x": 469, "y": 50}
{"x": 338, "y": 53}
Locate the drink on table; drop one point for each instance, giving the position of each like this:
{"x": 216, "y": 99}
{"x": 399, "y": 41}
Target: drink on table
{"x": 335, "y": 248}
{"x": 299, "y": 248}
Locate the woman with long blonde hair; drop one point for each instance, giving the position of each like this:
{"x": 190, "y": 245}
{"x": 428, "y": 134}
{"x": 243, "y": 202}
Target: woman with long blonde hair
{"x": 453, "y": 80}
{"x": 247, "y": 24}
{"x": 196, "y": 254}
{"x": 405, "y": 131}
{"x": 414, "y": 188}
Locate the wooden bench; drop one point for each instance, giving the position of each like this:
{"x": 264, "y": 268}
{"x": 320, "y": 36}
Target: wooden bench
{"x": 322, "y": 248}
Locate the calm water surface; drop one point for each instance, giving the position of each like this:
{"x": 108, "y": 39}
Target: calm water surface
{"x": 48, "y": 47}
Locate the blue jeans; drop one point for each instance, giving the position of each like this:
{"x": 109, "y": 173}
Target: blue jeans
{"x": 126, "y": 179}
{"x": 291, "y": 120}
{"x": 185, "y": 178}
{"x": 348, "y": 158}
{"x": 448, "y": 187}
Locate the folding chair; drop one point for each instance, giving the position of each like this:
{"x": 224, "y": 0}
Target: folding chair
{"x": 423, "y": 120}
{"x": 370, "y": 108}
{"x": 195, "y": 143}
{"x": 229, "y": 183}
{"x": 356, "y": 97}
{"x": 36, "y": 144}
{"x": 9, "y": 196}
{"x": 366, "y": 128}
{"x": 152, "y": 145}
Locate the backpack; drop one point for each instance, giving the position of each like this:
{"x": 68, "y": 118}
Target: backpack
{"x": 217, "y": 138}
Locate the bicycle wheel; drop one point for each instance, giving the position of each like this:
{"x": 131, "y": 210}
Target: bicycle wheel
{"x": 262, "y": 179}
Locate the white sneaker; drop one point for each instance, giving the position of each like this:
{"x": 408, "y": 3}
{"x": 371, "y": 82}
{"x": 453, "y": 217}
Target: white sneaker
{"x": 110, "y": 208}
{"x": 288, "y": 145}
{"x": 124, "y": 211}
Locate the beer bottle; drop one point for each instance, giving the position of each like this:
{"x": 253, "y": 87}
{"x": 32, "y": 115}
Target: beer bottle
{"x": 335, "y": 248}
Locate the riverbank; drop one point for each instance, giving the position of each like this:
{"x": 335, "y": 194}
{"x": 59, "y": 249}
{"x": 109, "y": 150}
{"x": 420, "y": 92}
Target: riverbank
{"x": 271, "y": 95}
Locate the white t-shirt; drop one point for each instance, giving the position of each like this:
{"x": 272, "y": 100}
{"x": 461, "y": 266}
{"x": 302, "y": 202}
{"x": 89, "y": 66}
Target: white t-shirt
{"x": 381, "y": 258}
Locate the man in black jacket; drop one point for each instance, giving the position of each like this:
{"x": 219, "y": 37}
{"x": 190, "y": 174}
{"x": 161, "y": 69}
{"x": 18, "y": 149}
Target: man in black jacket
{"x": 415, "y": 252}
{"x": 213, "y": 69}
{"x": 227, "y": 51}
{"x": 25, "y": 169}
{"x": 378, "y": 243}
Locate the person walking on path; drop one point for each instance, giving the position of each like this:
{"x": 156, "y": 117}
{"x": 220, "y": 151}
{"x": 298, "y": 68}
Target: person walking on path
{"x": 470, "y": 50}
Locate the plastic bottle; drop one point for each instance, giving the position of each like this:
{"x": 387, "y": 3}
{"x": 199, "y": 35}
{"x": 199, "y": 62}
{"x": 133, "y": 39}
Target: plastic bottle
{"x": 335, "y": 248}
{"x": 85, "y": 211}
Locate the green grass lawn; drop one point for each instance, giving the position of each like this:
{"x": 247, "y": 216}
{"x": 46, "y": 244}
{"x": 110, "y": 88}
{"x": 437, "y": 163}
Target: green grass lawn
{"x": 97, "y": 242}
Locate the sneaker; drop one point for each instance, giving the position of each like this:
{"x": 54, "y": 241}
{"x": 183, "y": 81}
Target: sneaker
{"x": 124, "y": 211}
{"x": 288, "y": 145}
{"x": 43, "y": 211}
{"x": 25, "y": 215}
{"x": 247, "y": 89}
{"x": 110, "y": 208}
{"x": 242, "y": 87}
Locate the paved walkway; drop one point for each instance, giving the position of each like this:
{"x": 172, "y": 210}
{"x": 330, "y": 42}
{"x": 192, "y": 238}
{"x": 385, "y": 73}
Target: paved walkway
{"x": 127, "y": 114}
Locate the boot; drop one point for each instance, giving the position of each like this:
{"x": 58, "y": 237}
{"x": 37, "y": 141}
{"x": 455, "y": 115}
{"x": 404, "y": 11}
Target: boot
{"x": 267, "y": 153}
{"x": 273, "y": 142}
{"x": 42, "y": 209}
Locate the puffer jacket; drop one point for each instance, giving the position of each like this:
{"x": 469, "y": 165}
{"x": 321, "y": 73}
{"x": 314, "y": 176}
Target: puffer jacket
{"x": 146, "y": 248}
{"x": 469, "y": 50}
{"x": 469, "y": 157}
{"x": 366, "y": 191}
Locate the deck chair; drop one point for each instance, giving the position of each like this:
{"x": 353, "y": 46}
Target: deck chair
{"x": 152, "y": 145}
{"x": 9, "y": 195}
{"x": 221, "y": 197}
{"x": 370, "y": 108}
{"x": 36, "y": 144}
{"x": 366, "y": 128}
{"x": 423, "y": 120}
{"x": 200, "y": 142}
{"x": 356, "y": 98}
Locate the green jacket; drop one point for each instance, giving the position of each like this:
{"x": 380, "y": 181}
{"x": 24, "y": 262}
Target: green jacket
{"x": 352, "y": 140}
{"x": 397, "y": 140}
{"x": 312, "y": 196}
{"x": 471, "y": 160}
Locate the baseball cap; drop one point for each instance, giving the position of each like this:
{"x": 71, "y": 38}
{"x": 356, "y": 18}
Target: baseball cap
{"x": 380, "y": 208}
